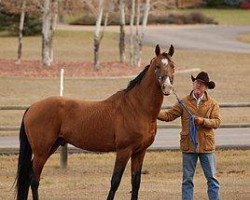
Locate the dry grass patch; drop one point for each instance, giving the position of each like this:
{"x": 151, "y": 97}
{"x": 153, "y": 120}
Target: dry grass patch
{"x": 244, "y": 38}
{"x": 88, "y": 177}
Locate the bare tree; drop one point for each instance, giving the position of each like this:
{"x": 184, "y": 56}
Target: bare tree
{"x": 143, "y": 29}
{"x": 46, "y": 33}
{"x": 132, "y": 33}
{"x": 53, "y": 27}
{"x": 49, "y": 22}
{"x": 122, "y": 31}
{"x": 98, "y": 34}
{"x": 21, "y": 25}
{"x": 136, "y": 37}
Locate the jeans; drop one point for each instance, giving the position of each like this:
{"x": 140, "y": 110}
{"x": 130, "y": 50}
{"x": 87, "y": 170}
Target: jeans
{"x": 207, "y": 161}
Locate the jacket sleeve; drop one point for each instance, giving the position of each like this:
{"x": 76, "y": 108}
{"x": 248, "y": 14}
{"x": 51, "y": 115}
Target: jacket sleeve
{"x": 215, "y": 118}
{"x": 172, "y": 114}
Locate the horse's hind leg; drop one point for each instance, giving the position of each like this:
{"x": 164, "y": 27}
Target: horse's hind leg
{"x": 122, "y": 158}
{"x": 37, "y": 166}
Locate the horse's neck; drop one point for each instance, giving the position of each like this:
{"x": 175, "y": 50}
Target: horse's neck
{"x": 148, "y": 94}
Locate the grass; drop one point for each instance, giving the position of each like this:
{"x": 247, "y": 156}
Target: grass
{"x": 222, "y": 16}
{"x": 244, "y": 38}
{"x": 68, "y": 45}
{"x": 88, "y": 177}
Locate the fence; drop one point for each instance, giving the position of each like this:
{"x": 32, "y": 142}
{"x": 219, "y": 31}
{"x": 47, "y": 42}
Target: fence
{"x": 223, "y": 105}
{"x": 63, "y": 152}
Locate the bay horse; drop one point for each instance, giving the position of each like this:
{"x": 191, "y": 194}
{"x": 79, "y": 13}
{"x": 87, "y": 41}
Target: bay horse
{"x": 124, "y": 123}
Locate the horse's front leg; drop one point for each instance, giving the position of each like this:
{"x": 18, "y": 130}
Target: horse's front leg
{"x": 136, "y": 168}
{"x": 122, "y": 158}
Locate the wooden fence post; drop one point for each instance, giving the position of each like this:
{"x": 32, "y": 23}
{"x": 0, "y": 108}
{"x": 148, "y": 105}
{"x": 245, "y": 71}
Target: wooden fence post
{"x": 63, "y": 149}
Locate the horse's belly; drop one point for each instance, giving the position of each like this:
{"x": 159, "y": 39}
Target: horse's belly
{"x": 93, "y": 142}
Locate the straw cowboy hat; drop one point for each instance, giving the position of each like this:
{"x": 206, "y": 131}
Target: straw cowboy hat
{"x": 203, "y": 77}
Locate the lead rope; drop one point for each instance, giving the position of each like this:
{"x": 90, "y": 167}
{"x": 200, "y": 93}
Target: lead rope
{"x": 192, "y": 127}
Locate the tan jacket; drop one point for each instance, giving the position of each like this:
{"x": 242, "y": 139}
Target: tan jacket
{"x": 208, "y": 109}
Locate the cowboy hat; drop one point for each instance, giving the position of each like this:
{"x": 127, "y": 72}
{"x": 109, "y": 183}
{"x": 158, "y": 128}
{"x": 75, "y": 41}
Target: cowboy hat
{"x": 203, "y": 77}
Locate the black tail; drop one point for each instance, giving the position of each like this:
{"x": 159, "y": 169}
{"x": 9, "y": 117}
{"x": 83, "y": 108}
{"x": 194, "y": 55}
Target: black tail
{"x": 23, "y": 178}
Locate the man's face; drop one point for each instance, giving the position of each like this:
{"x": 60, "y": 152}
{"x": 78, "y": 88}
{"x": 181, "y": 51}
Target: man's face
{"x": 199, "y": 88}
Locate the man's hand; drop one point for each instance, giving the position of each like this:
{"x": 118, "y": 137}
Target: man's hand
{"x": 198, "y": 120}
{"x": 161, "y": 116}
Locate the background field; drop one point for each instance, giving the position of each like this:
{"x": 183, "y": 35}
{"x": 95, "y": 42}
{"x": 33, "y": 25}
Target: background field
{"x": 88, "y": 177}
{"x": 230, "y": 71}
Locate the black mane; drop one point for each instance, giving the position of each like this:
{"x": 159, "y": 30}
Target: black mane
{"x": 137, "y": 80}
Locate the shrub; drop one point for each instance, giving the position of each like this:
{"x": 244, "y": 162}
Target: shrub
{"x": 192, "y": 18}
{"x": 233, "y": 3}
{"x": 10, "y": 22}
{"x": 214, "y": 3}
{"x": 245, "y": 4}
{"x": 223, "y": 3}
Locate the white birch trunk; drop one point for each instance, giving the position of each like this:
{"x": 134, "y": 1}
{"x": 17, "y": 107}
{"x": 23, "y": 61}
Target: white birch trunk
{"x": 97, "y": 36}
{"x": 53, "y": 28}
{"x": 137, "y": 34}
{"x": 46, "y": 33}
{"x": 132, "y": 32}
{"x": 21, "y": 25}
{"x": 144, "y": 24}
{"x": 122, "y": 31}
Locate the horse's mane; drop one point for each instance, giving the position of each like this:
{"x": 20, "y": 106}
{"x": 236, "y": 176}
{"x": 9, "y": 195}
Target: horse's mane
{"x": 137, "y": 80}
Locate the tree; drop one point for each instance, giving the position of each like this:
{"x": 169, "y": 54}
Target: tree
{"x": 98, "y": 35}
{"x": 48, "y": 29}
{"x": 21, "y": 25}
{"x": 122, "y": 31}
{"x": 131, "y": 37}
{"x": 143, "y": 29}
{"x": 137, "y": 35}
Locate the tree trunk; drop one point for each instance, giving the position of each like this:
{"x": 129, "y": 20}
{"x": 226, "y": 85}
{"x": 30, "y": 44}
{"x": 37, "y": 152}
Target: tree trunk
{"x": 21, "y": 25}
{"x": 137, "y": 33}
{"x": 46, "y": 33}
{"x": 122, "y": 31}
{"x": 53, "y": 28}
{"x": 131, "y": 37}
{"x": 97, "y": 36}
{"x": 60, "y": 12}
{"x": 144, "y": 24}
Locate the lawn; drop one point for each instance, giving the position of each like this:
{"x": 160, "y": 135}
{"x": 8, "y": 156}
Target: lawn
{"x": 222, "y": 16}
{"x": 88, "y": 177}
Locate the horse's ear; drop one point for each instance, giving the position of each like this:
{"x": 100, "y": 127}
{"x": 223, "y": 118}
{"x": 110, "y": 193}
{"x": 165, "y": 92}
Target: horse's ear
{"x": 171, "y": 50}
{"x": 157, "y": 50}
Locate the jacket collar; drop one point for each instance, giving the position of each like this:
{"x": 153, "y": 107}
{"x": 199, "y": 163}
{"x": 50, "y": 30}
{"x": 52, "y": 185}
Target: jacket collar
{"x": 204, "y": 98}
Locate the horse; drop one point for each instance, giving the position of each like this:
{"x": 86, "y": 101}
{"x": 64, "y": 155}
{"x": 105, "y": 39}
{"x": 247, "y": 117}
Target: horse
{"x": 124, "y": 123}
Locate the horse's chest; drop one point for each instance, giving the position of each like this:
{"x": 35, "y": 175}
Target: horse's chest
{"x": 146, "y": 136}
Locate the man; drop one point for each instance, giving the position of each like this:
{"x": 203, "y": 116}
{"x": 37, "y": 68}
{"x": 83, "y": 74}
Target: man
{"x": 206, "y": 117}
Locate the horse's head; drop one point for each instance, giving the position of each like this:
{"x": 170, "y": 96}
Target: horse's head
{"x": 164, "y": 69}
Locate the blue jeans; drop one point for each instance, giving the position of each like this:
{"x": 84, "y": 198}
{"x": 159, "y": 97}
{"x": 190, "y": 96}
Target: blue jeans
{"x": 207, "y": 161}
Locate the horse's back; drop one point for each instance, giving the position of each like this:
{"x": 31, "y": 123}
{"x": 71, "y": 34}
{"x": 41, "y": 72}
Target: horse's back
{"x": 85, "y": 124}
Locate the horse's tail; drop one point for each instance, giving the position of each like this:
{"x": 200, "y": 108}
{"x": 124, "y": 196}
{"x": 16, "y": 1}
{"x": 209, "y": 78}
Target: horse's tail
{"x": 24, "y": 164}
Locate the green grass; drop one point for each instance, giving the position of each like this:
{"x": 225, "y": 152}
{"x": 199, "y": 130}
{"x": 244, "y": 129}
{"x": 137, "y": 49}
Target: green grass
{"x": 222, "y": 16}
